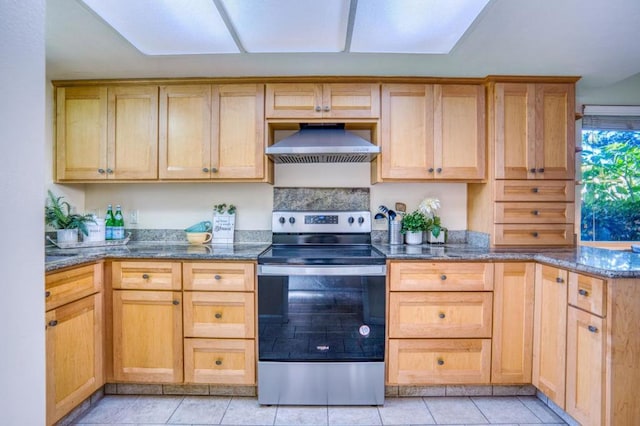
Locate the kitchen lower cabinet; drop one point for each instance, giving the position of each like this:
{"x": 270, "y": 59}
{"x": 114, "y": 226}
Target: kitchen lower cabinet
{"x": 74, "y": 338}
{"x": 549, "y": 332}
{"x": 512, "y": 341}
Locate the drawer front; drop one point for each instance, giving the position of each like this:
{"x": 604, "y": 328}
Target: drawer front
{"x": 219, "y": 276}
{"x": 446, "y": 314}
{"x": 146, "y": 275}
{"x": 588, "y": 293}
{"x": 73, "y": 284}
{"x": 535, "y": 213}
{"x": 533, "y": 235}
{"x": 534, "y": 190}
{"x": 425, "y": 276}
{"x": 220, "y": 361}
{"x": 439, "y": 361}
{"x": 213, "y": 314}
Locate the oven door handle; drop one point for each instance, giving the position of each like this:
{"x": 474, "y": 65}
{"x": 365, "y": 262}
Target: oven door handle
{"x": 346, "y": 270}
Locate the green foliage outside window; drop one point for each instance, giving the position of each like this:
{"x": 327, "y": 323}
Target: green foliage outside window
{"x": 611, "y": 191}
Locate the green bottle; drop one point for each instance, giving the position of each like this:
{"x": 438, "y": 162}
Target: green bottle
{"x": 118, "y": 224}
{"x": 109, "y": 223}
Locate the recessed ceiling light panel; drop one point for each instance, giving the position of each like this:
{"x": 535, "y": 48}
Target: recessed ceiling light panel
{"x": 167, "y": 27}
{"x": 412, "y": 26}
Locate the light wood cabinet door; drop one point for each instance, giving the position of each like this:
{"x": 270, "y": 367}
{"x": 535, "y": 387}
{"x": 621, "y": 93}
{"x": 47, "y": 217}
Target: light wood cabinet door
{"x": 439, "y": 314}
{"x": 218, "y": 276}
{"x": 440, "y": 276}
{"x": 81, "y": 133}
{"x": 237, "y": 145}
{"x": 550, "y": 332}
{"x": 459, "y": 132}
{"x": 185, "y": 132}
{"x": 219, "y": 314}
{"x": 588, "y": 293}
{"x": 512, "y": 342}
{"x": 439, "y": 361}
{"x": 74, "y": 360}
{"x": 331, "y": 100}
{"x": 585, "y": 367}
{"x": 147, "y": 336}
{"x": 534, "y": 130}
{"x": 132, "y": 152}
{"x": 220, "y": 361}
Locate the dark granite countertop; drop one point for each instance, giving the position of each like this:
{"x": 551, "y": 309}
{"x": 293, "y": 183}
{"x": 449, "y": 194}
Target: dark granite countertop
{"x": 602, "y": 262}
{"x": 597, "y": 261}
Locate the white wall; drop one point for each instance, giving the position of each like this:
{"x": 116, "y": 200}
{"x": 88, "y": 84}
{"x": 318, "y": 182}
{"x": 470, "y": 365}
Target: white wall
{"x": 22, "y": 135}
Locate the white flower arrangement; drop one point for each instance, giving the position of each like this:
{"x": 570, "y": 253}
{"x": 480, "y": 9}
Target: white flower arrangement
{"x": 429, "y": 206}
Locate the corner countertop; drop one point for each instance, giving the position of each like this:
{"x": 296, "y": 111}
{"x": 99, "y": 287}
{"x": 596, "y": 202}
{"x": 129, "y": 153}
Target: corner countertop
{"x": 591, "y": 260}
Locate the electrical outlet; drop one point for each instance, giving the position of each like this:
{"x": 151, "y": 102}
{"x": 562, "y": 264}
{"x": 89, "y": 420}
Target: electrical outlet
{"x": 133, "y": 217}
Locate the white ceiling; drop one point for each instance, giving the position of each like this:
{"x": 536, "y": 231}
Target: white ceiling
{"x": 595, "y": 39}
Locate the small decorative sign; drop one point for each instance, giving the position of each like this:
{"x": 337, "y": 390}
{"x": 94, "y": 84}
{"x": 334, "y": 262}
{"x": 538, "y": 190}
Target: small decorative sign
{"x": 224, "y": 223}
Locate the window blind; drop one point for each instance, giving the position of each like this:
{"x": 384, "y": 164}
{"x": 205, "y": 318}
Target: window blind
{"x": 611, "y": 117}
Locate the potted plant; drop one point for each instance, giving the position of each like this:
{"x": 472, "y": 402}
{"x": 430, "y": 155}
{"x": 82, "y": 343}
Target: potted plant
{"x": 413, "y": 224}
{"x": 436, "y": 233}
{"x": 57, "y": 214}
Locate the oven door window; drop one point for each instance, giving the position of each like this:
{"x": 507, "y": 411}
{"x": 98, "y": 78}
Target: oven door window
{"x": 321, "y": 318}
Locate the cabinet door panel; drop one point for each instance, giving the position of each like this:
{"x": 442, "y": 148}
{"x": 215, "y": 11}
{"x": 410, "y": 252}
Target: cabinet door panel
{"x": 533, "y": 235}
{"x": 133, "y": 135}
{"x": 407, "y": 131}
{"x": 219, "y": 314}
{"x": 348, "y": 100}
{"x": 219, "y": 276}
{"x": 440, "y": 276}
{"x": 291, "y": 100}
{"x": 185, "y": 132}
{"x": 534, "y": 190}
{"x": 81, "y": 133}
{"x": 534, "y": 213}
{"x": 66, "y": 286}
{"x": 220, "y": 361}
{"x": 141, "y": 275}
{"x": 588, "y": 293}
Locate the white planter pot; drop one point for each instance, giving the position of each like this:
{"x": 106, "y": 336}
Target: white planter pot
{"x": 413, "y": 237}
{"x": 67, "y": 236}
{"x": 435, "y": 240}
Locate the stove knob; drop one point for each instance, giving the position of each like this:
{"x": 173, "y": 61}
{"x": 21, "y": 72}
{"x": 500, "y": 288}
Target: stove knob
{"x": 351, "y": 220}
{"x": 281, "y": 220}
{"x": 361, "y": 220}
{"x": 292, "y": 220}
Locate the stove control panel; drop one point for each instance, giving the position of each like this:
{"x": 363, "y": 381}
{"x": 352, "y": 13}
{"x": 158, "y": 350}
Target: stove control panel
{"x": 321, "y": 221}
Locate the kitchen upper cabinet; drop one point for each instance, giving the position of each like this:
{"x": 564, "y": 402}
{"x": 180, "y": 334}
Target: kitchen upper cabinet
{"x": 432, "y": 132}
{"x": 534, "y": 130}
{"x": 513, "y": 301}
{"x": 330, "y": 100}
{"x": 212, "y": 132}
{"x": 107, "y": 133}
{"x": 549, "y": 332}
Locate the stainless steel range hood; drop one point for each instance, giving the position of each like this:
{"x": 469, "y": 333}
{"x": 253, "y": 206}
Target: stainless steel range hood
{"x": 322, "y": 143}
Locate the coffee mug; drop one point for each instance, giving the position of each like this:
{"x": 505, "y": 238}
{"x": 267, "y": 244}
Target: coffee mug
{"x": 199, "y": 237}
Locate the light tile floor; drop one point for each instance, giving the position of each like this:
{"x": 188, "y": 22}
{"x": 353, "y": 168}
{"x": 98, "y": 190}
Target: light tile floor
{"x": 217, "y": 410}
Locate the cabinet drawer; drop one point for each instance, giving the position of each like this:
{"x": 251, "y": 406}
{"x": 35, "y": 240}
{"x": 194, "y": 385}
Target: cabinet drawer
{"x": 533, "y": 235}
{"x": 219, "y": 361}
{"x": 219, "y": 276}
{"x": 425, "y": 276}
{"x": 534, "y": 190}
{"x": 72, "y": 284}
{"x": 534, "y": 213}
{"x": 215, "y": 314}
{"x": 446, "y": 314}
{"x": 588, "y": 293}
{"x": 146, "y": 275}
{"x": 439, "y": 361}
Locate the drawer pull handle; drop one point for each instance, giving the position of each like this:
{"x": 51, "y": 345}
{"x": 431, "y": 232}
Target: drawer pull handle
{"x": 217, "y": 277}
{"x": 443, "y": 277}
{"x": 214, "y": 170}
{"x": 583, "y": 292}
{"x": 535, "y": 212}
{"x": 535, "y": 234}
{"x": 218, "y": 362}
{"x": 176, "y": 302}
{"x": 101, "y": 171}
{"x": 440, "y": 361}
{"x": 534, "y": 190}
{"x": 441, "y": 315}
{"x": 592, "y": 329}
{"x": 541, "y": 170}
{"x": 318, "y": 109}
{"x": 218, "y": 315}
{"x": 430, "y": 170}
{"x": 559, "y": 280}
{"x": 326, "y": 108}
{"x": 533, "y": 170}
{"x": 145, "y": 276}
{"x": 205, "y": 169}
{"x": 53, "y": 323}
{"x": 439, "y": 170}
{"x": 47, "y": 293}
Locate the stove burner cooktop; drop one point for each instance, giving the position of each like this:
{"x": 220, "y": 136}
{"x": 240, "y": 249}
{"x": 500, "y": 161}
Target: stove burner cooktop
{"x": 322, "y": 255}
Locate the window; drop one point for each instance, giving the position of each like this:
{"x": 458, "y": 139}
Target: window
{"x": 610, "y": 195}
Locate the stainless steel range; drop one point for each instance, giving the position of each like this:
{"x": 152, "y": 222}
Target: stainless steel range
{"x": 321, "y": 311}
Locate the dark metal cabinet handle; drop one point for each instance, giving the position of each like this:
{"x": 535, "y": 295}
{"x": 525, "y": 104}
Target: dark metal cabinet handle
{"x": 101, "y": 171}
{"x": 441, "y": 315}
{"x": 326, "y": 108}
{"x": 533, "y": 170}
{"x": 441, "y": 362}
{"x": 218, "y": 315}
{"x": 439, "y": 170}
{"x": 592, "y": 329}
{"x": 559, "y": 280}
{"x": 535, "y": 212}
{"x": 443, "y": 277}
{"x": 52, "y": 323}
{"x": 176, "y": 302}
{"x": 534, "y": 190}
{"x": 541, "y": 170}
{"x": 430, "y": 170}
{"x": 145, "y": 276}
{"x": 217, "y": 277}
{"x": 205, "y": 169}
{"x": 318, "y": 109}
{"x": 535, "y": 234}
{"x": 218, "y": 362}
{"x": 214, "y": 170}
{"x": 583, "y": 292}
{"x": 47, "y": 293}
{"x": 109, "y": 171}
